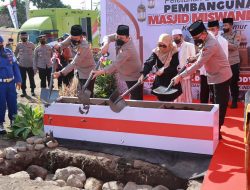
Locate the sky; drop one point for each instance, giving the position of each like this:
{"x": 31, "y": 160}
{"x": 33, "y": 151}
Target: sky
{"x": 79, "y": 4}
{"x": 75, "y": 4}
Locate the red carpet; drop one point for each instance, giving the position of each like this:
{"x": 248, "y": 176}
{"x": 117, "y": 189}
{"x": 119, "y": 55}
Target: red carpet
{"x": 226, "y": 170}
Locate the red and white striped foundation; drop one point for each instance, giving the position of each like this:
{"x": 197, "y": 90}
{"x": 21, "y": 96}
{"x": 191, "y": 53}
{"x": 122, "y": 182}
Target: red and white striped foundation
{"x": 166, "y": 129}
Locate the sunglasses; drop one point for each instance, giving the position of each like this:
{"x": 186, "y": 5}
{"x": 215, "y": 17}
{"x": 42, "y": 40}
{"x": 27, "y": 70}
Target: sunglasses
{"x": 162, "y": 45}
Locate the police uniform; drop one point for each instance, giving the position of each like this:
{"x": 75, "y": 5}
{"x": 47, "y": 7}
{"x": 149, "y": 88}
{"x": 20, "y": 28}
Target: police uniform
{"x": 83, "y": 60}
{"x": 216, "y": 65}
{"x": 233, "y": 39}
{"x": 42, "y": 62}
{"x": 205, "y": 89}
{"x": 9, "y": 76}
{"x": 127, "y": 63}
{"x": 24, "y": 53}
{"x": 10, "y": 44}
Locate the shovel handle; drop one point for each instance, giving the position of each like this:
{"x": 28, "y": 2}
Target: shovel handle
{"x": 133, "y": 87}
{"x": 90, "y": 77}
{"x": 170, "y": 85}
{"x": 52, "y": 72}
{"x": 182, "y": 69}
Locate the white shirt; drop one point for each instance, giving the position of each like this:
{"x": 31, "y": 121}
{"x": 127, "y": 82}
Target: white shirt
{"x": 186, "y": 50}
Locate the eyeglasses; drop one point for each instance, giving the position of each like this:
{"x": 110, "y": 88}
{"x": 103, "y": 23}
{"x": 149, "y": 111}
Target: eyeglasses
{"x": 162, "y": 45}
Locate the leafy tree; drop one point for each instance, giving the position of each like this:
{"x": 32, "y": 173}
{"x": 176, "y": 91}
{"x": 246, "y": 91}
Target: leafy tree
{"x": 5, "y": 16}
{"x": 41, "y": 4}
{"x": 5, "y": 19}
{"x": 21, "y": 12}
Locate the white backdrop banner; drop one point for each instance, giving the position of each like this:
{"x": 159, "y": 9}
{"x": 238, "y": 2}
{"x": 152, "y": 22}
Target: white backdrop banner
{"x": 150, "y": 18}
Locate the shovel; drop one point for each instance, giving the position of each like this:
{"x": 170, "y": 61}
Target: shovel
{"x": 48, "y": 95}
{"x": 116, "y": 101}
{"x": 84, "y": 93}
{"x": 162, "y": 90}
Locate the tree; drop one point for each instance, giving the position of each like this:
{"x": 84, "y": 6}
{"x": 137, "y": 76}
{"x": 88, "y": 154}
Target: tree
{"x": 5, "y": 16}
{"x": 21, "y": 12}
{"x": 5, "y": 19}
{"x": 41, "y": 4}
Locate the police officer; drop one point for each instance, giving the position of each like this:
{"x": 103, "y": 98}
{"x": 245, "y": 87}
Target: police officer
{"x": 127, "y": 63}
{"x": 216, "y": 65}
{"x": 83, "y": 60}
{"x": 213, "y": 27}
{"x": 9, "y": 76}
{"x": 233, "y": 39}
{"x": 42, "y": 61}
{"x": 24, "y": 53}
{"x": 10, "y": 44}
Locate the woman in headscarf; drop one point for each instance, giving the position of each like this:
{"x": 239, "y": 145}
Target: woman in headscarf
{"x": 165, "y": 59}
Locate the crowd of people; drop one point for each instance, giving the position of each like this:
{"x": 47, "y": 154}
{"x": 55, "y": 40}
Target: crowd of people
{"x": 214, "y": 56}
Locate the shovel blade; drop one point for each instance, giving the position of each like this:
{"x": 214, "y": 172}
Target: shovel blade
{"x": 116, "y": 102}
{"x": 48, "y": 96}
{"x": 117, "y": 106}
{"x": 84, "y": 96}
{"x": 162, "y": 90}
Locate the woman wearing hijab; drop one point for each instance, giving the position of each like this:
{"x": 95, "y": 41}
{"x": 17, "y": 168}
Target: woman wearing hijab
{"x": 165, "y": 58}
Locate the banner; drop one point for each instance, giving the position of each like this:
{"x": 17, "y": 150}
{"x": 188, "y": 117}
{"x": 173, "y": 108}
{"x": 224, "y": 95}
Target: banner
{"x": 150, "y": 18}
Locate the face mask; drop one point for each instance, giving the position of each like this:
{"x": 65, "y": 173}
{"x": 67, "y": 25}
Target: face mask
{"x": 119, "y": 42}
{"x": 225, "y": 30}
{"x": 198, "y": 42}
{"x": 24, "y": 39}
{"x": 42, "y": 42}
{"x": 177, "y": 41}
{"x": 75, "y": 42}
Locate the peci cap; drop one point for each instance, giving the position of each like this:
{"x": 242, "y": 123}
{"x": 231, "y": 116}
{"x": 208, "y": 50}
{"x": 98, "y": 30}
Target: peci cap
{"x": 228, "y": 20}
{"x": 76, "y": 30}
{"x": 213, "y": 23}
{"x": 196, "y": 28}
{"x": 123, "y": 30}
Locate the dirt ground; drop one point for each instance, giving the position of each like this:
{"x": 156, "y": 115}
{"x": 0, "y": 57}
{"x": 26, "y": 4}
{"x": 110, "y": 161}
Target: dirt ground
{"x": 175, "y": 162}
